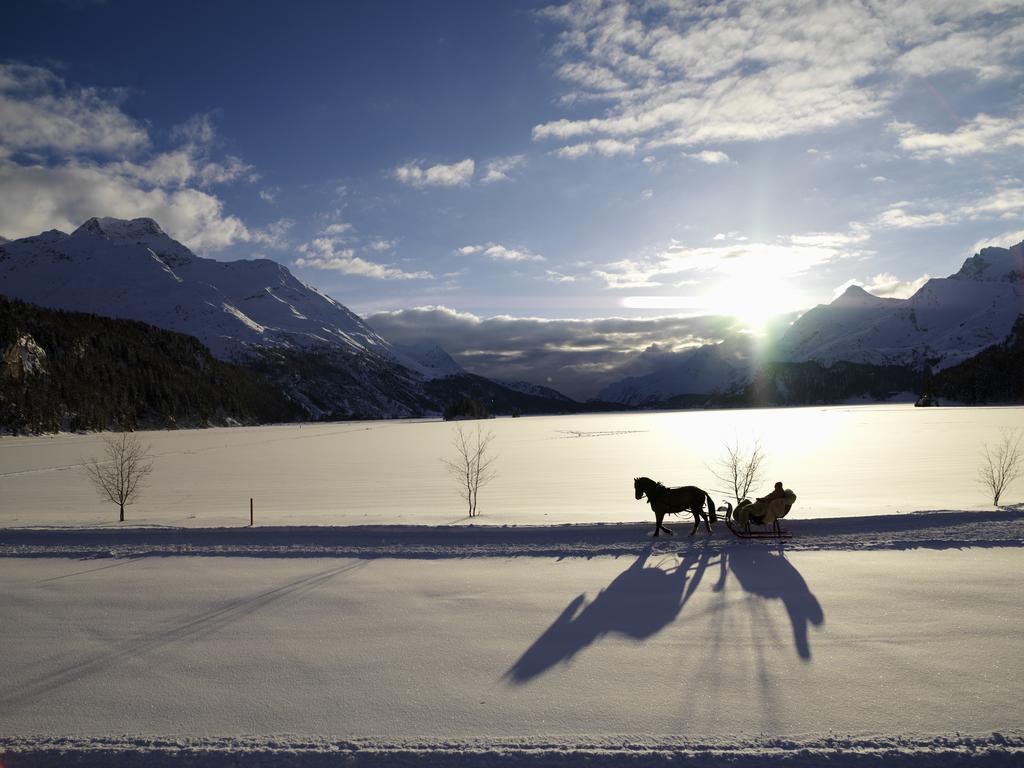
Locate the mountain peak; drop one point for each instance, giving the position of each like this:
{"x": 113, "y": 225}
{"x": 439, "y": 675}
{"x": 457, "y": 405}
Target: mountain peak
{"x": 428, "y": 358}
{"x": 856, "y": 296}
{"x": 994, "y": 265}
{"x": 121, "y": 229}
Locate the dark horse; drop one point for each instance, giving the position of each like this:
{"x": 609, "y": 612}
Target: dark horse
{"x": 672, "y": 501}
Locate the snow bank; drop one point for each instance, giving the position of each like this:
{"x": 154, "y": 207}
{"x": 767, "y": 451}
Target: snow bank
{"x": 839, "y": 752}
{"x": 933, "y": 530}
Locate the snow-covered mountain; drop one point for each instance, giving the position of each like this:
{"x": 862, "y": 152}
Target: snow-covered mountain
{"x": 698, "y": 371}
{"x": 427, "y": 358}
{"x": 251, "y": 311}
{"x": 537, "y": 390}
{"x": 133, "y": 270}
{"x": 948, "y": 320}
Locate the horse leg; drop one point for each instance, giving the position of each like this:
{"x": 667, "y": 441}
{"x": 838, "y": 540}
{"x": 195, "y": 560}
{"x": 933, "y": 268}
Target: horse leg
{"x": 696, "y": 522}
{"x": 658, "y": 517}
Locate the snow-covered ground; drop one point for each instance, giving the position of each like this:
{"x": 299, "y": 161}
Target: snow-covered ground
{"x": 549, "y": 631}
{"x": 841, "y": 461}
{"x": 720, "y": 651}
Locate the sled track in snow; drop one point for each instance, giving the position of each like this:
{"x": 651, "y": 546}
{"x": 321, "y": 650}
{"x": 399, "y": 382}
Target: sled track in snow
{"x": 930, "y": 530}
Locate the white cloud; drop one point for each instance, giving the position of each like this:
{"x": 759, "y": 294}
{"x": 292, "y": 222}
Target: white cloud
{"x": 603, "y": 147}
{"x": 499, "y": 252}
{"x": 455, "y": 175}
{"x": 856, "y": 233}
{"x": 982, "y": 134}
{"x": 1005, "y": 240}
{"x": 500, "y": 168}
{"x": 337, "y": 229}
{"x": 39, "y": 111}
{"x": 70, "y": 153}
{"x": 323, "y": 253}
{"x": 198, "y": 129}
{"x": 960, "y": 50}
{"x": 1004, "y": 202}
{"x": 708, "y": 156}
{"x": 1007, "y": 202}
{"x": 274, "y": 234}
{"x": 898, "y": 217}
{"x": 269, "y": 195}
{"x": 785, "y": 258}
{"x": 37, "y": 198}
{"x": 558, "y": 277}
{"x": 627, "y": 273}
{"x": 690, "y": 73}
{"x": 183, "y": 166}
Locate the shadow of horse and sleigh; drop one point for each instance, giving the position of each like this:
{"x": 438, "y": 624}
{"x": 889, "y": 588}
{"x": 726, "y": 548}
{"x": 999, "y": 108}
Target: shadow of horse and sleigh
{"x": 689, "y": 498}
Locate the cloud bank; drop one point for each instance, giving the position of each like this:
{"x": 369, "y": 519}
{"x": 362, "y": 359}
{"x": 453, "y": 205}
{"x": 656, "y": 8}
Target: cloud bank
{"x": 577, "y": 357}
{"x": 68, "y": 153}
{"x": 689, "y": 73}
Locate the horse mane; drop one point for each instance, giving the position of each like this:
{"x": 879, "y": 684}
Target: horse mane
{"x": 649, "y": 481}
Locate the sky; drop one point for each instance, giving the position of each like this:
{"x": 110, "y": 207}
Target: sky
{"x": 591, "y": 182}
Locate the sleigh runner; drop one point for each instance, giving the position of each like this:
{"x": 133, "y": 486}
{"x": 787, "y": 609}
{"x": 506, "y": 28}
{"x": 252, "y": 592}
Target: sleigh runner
{"x": 765, "y": 515}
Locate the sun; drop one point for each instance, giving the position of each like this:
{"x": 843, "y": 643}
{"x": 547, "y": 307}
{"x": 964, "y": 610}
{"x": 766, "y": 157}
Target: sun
{"x": 754, "y": 302}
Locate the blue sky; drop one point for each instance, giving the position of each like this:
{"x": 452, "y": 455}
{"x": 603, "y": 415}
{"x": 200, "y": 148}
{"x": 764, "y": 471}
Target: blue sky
{"x": 588, "y": 178}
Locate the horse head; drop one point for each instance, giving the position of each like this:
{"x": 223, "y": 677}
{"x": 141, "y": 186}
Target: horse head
{"x": 640, "y": 486}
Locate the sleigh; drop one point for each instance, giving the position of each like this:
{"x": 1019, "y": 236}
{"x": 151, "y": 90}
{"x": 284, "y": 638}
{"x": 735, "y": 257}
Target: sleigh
{"x": 759, "y": 519}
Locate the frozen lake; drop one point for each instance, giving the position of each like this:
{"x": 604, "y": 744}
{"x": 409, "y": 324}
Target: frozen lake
{"x": 841, "y": 461}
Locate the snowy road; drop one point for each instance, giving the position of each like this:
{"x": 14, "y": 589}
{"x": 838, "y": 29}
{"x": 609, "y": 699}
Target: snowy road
{"x": 687, "y": 644}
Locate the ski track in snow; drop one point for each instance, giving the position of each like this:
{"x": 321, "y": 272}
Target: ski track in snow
{"x": 930, "y": 530}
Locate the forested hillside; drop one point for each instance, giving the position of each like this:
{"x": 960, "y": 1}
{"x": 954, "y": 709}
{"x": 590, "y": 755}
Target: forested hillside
{"x": 73, "y": 371}
{"x": 995, "y": 375}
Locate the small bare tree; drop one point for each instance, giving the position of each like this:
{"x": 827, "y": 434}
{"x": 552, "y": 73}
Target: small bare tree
{"x": 473, "y": 465}
{"x": 740, "y": 468}
{"x": 1001, "y": 463}
{"x": 119, "y": 477}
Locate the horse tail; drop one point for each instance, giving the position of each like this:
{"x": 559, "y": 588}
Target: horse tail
{"x": 711, "y": 508}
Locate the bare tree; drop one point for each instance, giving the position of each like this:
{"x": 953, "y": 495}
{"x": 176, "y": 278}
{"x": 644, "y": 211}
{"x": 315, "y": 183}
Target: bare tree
{"x": 1001, "y": 463}
{"x": 473, "y": 465}
{"x": 740, "y": 468}
{"x": 119, "y": 477}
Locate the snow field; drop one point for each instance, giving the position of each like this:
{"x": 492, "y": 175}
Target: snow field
{"x": 365, "y": 621}
{"x": 840, "y": 461}
{"x": 713, "y": 654}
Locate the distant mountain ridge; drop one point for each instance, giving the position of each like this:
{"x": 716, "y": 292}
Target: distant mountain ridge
{"x": 946, "y": 323}
{"x": 704, "y": 370}
{"x": 948, "y": 320}
{"x": 253, "y": 312}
